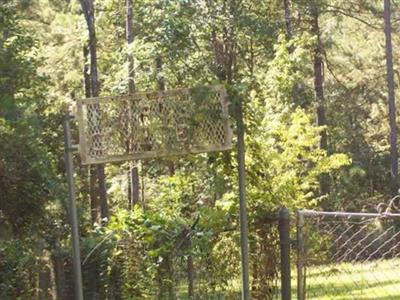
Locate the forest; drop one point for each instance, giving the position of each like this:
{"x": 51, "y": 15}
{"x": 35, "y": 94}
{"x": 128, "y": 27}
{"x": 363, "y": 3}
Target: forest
{"x": 316, "y": 82}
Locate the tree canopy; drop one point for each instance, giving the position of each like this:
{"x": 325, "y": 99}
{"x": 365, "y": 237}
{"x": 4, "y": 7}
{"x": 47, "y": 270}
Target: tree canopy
{"x": 312, "y": 77}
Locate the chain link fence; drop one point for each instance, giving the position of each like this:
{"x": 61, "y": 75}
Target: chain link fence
{"x": 348, "y": 255}
{"x": 154, "y": 266}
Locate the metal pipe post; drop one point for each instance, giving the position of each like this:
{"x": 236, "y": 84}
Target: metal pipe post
{"x": 72, "y": 209}
{"x": 244, "y": 230}
{"x": 300, "y": 257}
{"x": 284, "y": 237}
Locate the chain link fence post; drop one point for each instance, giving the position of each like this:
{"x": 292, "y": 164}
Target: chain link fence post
{"x": 300, "y": 257}
{"x": 284, "y": 237}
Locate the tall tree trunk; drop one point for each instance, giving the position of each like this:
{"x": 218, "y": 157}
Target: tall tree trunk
{"x": 45, "y": 279}
{"x": 133, "y": 190}
{"x": 166, "y": 271}
{"x": 86, "y": 75}
{"x": 162, "y": 87}
{"x": 288, "y": 19}
{"x": 59, "y": 274}
{"x": 88, "y": 11}
{"x": 391, "y": 98}
{"x": 319, "y": 93}
{"x": 130, "y": 39}
{"x": 291, "y": 48}
{"x": 160, "y": 77}
{"x": 93, "y": 193}
{"x": 190, "y": 271}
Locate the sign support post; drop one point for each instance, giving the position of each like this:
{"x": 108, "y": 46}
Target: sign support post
{"x": 68, "y": 149}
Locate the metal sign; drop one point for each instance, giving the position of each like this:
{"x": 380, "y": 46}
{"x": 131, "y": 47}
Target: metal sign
{"x": 153, "y": 124}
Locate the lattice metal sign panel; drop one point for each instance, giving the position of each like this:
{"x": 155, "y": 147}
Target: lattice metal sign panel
{"x": 153, "y": 124}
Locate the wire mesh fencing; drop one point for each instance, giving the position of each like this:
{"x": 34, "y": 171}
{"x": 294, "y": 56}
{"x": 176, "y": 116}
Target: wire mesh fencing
{"x": 152, "y": 264}
{"x": 348, "y": 255}
{"x": 194, "y": 267}
{"x": 154, "y": 124}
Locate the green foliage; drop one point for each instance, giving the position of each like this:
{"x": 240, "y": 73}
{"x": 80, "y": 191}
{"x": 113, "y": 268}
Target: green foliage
{"x": 26, "y": 171}
{"x": 18, "y": 263}
{"x": 189, "y": 206}
{"x": 285, "y": 161}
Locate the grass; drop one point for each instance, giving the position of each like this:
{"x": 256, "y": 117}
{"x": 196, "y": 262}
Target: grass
{"x": 378, "y": 280}
{"x": 232, "y": 293}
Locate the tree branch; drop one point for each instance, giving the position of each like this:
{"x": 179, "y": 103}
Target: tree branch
{"x": 348, "y": 14}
